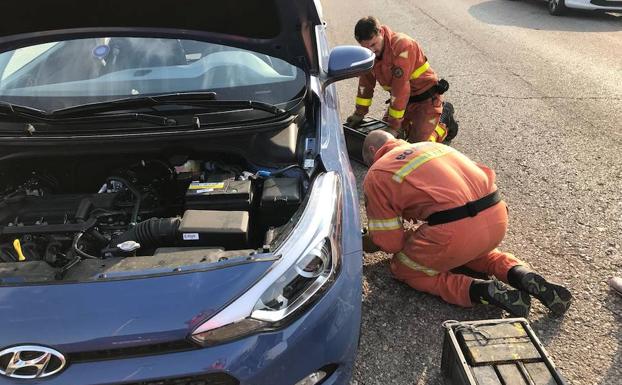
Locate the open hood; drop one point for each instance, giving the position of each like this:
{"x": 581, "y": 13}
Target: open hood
{"x": 279, "y": 28}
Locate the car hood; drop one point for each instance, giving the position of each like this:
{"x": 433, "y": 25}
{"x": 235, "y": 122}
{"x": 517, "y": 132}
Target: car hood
{"x": 280, "y": 28}
{"x": 102, "y": 316}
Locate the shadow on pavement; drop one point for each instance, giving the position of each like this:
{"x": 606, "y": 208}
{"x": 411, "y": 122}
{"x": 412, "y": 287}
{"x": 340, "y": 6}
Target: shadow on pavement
{"x": 533, "y": 14}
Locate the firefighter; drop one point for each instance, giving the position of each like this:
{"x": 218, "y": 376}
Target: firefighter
{"x": 465, "y": 221}
{"x": 416, "y": 101}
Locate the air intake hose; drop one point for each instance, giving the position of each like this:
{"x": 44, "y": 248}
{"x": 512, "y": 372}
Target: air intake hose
{"x": 154, "y": 232}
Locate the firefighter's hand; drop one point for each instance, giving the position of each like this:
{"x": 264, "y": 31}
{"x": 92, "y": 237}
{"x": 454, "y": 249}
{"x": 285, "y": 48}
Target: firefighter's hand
{"x": 368, "y": 245}
{"x": 354, "y": 120}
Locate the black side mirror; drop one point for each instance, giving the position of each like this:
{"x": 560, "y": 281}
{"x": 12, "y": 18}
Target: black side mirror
{"x": 348, "y": 61}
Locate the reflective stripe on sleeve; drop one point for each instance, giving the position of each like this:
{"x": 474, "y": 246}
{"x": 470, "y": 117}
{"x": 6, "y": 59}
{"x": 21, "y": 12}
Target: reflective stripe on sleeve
{"x": 419, "y": 71}
{"x": 384, "y": 224}
{"x": 420, "y": 160}
{"x": 440, "y": 133}
{"x": 397, "y": 114}
{"x": 363, "y": 102}
{"x": 403, "y": 258}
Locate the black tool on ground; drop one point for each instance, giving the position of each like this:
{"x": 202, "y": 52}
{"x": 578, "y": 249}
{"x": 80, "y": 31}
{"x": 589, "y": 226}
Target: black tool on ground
{"x": 495, "y": 352}
{"x": 356, "y": 136}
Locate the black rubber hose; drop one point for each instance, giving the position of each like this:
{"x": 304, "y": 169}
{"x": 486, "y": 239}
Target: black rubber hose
{"x": 151, "y": 233}
{"x": 83, "y": 209}
{"x": 134, "y": 191}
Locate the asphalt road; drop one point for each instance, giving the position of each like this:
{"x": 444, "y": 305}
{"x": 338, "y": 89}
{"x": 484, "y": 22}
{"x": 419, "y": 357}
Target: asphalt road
{"x": 539, "y": 99}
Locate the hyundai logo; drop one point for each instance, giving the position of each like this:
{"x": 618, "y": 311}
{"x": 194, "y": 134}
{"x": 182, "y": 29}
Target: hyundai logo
{"x": 30, "y": 361}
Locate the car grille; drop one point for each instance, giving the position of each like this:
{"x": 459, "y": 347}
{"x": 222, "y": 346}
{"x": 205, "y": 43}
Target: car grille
{"x": 208, "y": 379}
{"x": 135, "y": 351}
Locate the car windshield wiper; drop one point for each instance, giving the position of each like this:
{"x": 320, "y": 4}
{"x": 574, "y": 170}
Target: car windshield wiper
{"x": 103, "y": 111}
{"x": 34, "y": 115}
{"x": 8, "y": 109}
{"x": 188, "y": 98}
{"x": 202, "y": 99}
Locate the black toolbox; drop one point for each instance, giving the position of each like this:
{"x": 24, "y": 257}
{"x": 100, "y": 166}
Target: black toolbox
{"x": 495, "y": 352}
{"x": 356, "y": 136}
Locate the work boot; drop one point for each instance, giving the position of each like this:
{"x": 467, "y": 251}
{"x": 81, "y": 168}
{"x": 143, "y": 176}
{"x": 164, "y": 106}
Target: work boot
{"x": 555, "y": 297}
{"x": 493, "y": 292}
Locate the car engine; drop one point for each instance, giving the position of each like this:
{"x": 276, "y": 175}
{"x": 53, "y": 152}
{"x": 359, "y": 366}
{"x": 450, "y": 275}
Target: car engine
{"x": 64, "y": 211}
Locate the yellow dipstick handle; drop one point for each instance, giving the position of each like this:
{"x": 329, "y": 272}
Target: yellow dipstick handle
{"x": 18, "y": 248}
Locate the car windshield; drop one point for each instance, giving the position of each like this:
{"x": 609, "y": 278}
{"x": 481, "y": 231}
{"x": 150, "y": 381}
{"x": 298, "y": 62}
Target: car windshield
{"x": 73, "y": 72}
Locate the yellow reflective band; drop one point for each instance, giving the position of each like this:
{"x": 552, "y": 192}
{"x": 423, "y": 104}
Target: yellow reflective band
{"x": 432, "y": 138}
{"x": 420, "y": 160}
{"x": 384, "y": 224}
{"x": 440, "y": 131}
{"x": 386, "y": 88}
{"x": 419, "y": 71}
{"x": 414, "y": 265}
{"x": 363, "y": 102}
{"x": 397, "y": 114}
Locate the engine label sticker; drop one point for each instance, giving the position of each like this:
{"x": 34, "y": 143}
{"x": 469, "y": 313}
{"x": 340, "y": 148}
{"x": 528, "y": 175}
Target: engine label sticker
{"x": 204, "y": 186}
{"x": 190, "y": 236}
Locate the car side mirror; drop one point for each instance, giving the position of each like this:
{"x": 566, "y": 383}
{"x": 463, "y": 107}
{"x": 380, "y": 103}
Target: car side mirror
{"x": 348, "y": 61}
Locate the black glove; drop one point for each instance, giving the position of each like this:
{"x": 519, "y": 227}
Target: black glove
{"x": 354, "y": 120}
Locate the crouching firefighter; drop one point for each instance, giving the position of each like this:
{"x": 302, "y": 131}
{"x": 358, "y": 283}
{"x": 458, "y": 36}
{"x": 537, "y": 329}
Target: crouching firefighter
{"x": 465, "y": 220}
{"x": 416, "y": 101}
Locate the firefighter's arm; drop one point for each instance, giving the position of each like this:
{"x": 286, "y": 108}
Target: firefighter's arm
{"x": 384, "y": 222}
{"x": 403, "y": 67}
{"x": 365, "y": 92}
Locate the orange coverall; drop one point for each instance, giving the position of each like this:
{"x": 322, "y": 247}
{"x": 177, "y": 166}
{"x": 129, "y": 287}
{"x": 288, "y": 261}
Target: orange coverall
{"x": 411, "y": 182}
{"x": 404, "y": 71}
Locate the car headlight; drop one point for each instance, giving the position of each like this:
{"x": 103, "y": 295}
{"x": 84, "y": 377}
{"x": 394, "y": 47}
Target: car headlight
{"x": 309, "y": 263}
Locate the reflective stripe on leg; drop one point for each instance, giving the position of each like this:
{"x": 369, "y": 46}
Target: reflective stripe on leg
{"x": 403, "y": 258}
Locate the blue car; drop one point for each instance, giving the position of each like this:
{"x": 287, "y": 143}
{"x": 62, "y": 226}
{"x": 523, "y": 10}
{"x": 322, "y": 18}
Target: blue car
{"x": 176, "y": 202}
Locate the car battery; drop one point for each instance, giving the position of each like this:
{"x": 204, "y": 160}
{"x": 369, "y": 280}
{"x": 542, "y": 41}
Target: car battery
{"x": 495, "y": 352}
{"x": 228, "y": 229}
{"x": 356, "y": 136}
{"x": 280, "y": 198}
{"x": 227, "y": 194}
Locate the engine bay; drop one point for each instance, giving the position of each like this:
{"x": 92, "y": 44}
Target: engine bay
{"x": 60, "y": 214}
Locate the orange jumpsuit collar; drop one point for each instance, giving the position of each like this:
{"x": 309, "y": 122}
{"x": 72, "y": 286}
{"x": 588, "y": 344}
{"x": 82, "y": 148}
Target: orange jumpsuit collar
{"x": 388, "y": 146}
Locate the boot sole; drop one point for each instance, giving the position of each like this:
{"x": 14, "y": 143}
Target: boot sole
{"x": 518, "y": 306}
{"x": 555, "y": 297}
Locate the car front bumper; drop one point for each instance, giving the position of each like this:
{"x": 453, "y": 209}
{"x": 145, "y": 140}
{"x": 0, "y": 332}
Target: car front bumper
{"x": 327, "y": 334}
{"x": 594, "y": 5}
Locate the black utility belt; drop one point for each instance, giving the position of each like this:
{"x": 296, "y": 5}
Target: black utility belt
{"x": 438, "y": 89}
{"x": 468, "y": 210}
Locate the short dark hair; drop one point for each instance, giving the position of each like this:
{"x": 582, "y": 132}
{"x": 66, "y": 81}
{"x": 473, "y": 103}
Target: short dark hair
{"x": 366, "y": 28}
